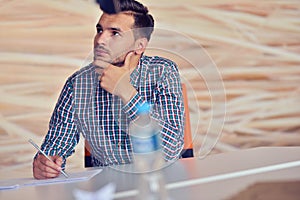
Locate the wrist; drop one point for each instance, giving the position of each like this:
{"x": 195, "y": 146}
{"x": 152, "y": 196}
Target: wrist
{"x": 129, "y": 94}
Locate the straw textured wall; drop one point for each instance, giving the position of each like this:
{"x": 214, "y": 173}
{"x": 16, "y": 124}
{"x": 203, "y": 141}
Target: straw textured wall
{"x": 255, "y": 45}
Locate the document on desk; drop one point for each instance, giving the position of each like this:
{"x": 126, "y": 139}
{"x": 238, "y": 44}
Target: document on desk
{"x": 73, "y": 177}
{"x": 8, "y": 184}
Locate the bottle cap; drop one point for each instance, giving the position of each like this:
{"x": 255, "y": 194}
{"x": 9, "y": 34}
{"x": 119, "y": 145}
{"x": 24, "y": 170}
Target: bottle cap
{"x": 144, "y": 108}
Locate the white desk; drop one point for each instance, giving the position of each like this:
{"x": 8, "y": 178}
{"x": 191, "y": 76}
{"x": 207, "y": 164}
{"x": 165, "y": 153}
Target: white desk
{"x": 186, "y": 178}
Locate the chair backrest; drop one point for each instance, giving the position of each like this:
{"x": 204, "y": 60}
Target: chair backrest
{"x": 188, "y": 139}
{"x": 187, "y": 150}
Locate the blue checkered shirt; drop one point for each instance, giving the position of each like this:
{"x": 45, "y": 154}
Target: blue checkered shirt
{"x": 102, "y": 118}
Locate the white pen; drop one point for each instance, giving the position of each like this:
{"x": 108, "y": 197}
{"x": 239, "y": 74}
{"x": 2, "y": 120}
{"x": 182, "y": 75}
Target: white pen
{"x": 37, "y": 147}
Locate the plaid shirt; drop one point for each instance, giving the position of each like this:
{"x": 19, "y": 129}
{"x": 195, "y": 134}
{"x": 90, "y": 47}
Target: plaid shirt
{"x": 102, "y": 118}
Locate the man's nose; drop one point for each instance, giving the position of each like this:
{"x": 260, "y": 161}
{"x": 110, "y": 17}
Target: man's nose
{"x": 102, "y": 38}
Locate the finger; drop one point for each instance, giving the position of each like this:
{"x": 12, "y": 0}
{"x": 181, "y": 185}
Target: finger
{"x": 127, "y": 61}
{"x": 100, "y": 67}
{"x": 50, "y": 163}
{"x": 43, "y": 174}
{"x": 47, "y": 172}
{"x": 41, "y": 171}
{"x": 58, "y": 160}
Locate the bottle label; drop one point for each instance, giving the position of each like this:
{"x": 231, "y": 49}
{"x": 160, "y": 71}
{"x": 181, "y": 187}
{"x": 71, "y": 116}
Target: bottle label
{"x": 145, "y": 144}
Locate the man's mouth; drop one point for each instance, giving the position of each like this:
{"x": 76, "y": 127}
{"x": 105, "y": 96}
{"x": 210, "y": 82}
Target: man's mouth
{"x": 100, "y": 52}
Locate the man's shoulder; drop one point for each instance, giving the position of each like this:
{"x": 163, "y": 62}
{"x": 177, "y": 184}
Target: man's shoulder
{"x": 85, "y": 72}
{"x": 159, "y": 63}
{"x": 158, "y": 60}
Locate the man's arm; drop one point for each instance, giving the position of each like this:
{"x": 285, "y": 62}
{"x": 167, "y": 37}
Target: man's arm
{"x": 168, "y": 110}
{"x": 116, "y": 80}
{"x": 170, "y": 113}
{"x": 61, "y": 138}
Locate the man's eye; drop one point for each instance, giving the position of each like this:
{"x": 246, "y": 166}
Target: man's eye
{"x": 116, "y": 33}
{"x": 99, "y": 30}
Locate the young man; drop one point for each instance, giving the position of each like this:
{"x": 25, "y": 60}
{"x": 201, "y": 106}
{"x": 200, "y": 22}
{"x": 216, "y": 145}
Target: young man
{"x": 101, "y": 99}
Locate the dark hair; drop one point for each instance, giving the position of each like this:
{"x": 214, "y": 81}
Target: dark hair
{"x": 143, "y": 21}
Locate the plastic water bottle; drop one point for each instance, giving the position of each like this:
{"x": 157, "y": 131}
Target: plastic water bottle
{"x": 147, "y": 153}
{"x": 146, "y": 140}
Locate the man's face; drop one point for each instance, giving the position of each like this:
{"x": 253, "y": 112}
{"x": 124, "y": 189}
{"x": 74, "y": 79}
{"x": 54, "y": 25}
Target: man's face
{"x": 114, "y": 38}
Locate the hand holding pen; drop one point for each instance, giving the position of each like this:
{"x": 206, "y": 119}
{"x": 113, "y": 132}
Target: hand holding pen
{"x": 46, "y": 166}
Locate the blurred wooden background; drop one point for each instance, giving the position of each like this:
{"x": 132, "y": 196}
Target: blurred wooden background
{"x": 254, "y": 44}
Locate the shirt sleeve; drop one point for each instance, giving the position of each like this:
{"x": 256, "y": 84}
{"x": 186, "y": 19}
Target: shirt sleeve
{"x": 168, "y": 110}
{"x": 62, "y": 135}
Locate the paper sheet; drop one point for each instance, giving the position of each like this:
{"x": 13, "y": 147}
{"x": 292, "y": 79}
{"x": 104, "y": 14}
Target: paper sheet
{"x": 9, "y": 184}
{"x": 73, "y": 177}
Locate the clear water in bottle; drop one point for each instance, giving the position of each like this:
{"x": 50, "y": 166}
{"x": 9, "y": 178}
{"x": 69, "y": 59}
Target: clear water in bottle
{"x": 147, "y": 153}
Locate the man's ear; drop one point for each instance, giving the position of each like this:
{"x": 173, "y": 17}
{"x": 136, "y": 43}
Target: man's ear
{"x": 140, "y": 45}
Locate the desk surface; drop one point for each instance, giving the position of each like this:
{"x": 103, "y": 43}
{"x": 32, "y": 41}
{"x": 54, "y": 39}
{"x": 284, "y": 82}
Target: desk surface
{"x": 214, "y": 177}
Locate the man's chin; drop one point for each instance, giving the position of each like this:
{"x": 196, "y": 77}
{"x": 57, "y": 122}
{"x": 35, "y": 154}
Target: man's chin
{"x": 102, "y": 59}
{"x": 116, "y": 62}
